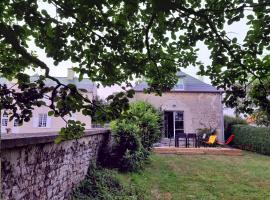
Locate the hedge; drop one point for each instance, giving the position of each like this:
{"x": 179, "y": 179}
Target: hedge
{"x": 251, "y": 138}
{"x": 229, "y": 122}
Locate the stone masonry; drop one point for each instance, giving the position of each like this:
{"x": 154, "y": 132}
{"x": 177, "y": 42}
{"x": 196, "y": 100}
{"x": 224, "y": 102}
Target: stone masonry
{"x": 39, "y": 169}
{"x": 201, "y": 110}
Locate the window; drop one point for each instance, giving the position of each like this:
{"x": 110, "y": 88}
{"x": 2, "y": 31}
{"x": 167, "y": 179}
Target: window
{"x": 42, "y": 120}
{"x": 4, "y": 119}
{"x": 15, "y": 122}
{"x": 179, "y": 122}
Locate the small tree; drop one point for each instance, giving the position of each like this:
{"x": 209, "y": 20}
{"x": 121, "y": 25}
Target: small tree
{"x": 261, "y": 118}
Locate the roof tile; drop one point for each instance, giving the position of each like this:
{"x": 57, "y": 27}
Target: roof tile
{"x": 190, "y": 83}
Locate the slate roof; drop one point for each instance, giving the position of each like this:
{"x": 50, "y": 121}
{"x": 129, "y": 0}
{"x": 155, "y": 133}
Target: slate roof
{"x": 186, "y": 83}
{"x": 83, "y": 84}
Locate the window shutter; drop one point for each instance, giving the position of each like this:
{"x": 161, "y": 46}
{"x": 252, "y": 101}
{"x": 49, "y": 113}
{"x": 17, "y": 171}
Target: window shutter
{"x": 49, "y": 122}
{"x": 35, "y": 122}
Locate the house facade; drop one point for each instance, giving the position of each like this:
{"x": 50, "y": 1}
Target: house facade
{"x": 41, "y": 122}
{"x": 189, "y": 106}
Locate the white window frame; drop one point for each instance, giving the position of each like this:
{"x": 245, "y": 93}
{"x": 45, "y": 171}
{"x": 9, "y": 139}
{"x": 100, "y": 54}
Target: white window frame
{"x": 180, "y": 120}
{"x": 42, "y": 120}
{"x": 4, "y": 121}
{"x": 15, "y": 122}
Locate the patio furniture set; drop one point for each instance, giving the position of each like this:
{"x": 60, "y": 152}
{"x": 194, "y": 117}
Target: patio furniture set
{"x": 199, "y": 140}
{"x": 188, "y": 138}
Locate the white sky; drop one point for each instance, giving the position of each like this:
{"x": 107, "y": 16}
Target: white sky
{"x": 237, "y": 30}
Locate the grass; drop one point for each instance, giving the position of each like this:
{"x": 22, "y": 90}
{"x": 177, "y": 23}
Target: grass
{"x": 208, "y": 177}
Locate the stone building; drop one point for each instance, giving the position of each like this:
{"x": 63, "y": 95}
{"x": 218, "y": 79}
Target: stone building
{"x": 189, "y": 106}
{"x": 41, "y": 122}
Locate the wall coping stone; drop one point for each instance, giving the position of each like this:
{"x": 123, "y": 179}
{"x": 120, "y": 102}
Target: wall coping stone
{"x": 23, "y": 139}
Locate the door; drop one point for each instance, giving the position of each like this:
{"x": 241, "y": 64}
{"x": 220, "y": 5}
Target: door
{"x": 178, "y": 122}
{"x": 168, "y": 124}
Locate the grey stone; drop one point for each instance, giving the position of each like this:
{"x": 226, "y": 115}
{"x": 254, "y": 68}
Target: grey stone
{"x": 45, "y": 170}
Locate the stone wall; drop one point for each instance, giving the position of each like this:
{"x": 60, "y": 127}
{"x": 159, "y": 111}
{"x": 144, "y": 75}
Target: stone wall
{"x": 34, "y": 167}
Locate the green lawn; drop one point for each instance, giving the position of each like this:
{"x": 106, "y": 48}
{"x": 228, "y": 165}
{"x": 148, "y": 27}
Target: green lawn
{"x": 203, "y": 177}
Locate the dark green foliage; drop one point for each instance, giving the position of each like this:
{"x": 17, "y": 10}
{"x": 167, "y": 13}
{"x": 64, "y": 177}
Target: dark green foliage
{"x": 229, "y": 122}
{"x": 102, "y": 184}
{"x": 257, "y": 102}
{"x": 260, "y": 101}
{"x": 251, "y": 138}
{"x": 134, "y": 161}
{"x": 73, "y": 130}
{"x": 128, "y": 153}
{"x": 134, "y": 134}
{"x": 261, "y": 118}
{"x": 148, "y": 119}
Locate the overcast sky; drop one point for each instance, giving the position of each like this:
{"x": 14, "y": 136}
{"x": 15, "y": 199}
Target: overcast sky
{"x": 238, "y": 30}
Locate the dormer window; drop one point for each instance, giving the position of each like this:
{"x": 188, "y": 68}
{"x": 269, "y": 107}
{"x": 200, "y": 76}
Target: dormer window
{"x": 179, "y": 85}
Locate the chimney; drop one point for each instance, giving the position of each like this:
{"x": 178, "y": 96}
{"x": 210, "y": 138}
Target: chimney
{"x": 70, "y": 74}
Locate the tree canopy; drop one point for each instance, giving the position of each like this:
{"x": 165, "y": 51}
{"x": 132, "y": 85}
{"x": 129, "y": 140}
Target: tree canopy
{"x": 116, "y": 41}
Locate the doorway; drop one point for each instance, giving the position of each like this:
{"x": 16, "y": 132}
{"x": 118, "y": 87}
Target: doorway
{"x": 173, "y": 123}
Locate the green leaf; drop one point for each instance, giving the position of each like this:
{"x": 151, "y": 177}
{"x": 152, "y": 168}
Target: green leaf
{"x": 58, "y": 140}
{"x": 250, "y": 17}
{"x": 51, "y": 113}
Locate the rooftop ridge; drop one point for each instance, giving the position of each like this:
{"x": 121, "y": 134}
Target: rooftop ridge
{"x": 191, "y": 84}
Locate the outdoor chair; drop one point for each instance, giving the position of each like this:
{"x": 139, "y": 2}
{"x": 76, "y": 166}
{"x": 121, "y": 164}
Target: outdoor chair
{"x": 211, "y": 141}
{"x": 180, "y": 137}
{"x": 193, "y": 138}
{"x": 201, "y": 139}
{"x": 228, "y": 141}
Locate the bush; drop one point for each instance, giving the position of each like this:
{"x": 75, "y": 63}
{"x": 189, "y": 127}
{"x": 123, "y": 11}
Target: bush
{"x": 102, "y": 184}
{"x": 133, "y": 161}
{"x": 251, "y": 138}
{"x": 134, "y": 134}
{"x": 229, "y": 122}
{"x": 127, "y": 154}
{"x": 148, "y": 119}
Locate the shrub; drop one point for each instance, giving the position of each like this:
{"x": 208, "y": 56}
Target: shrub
{"x": 134, "y": 134}
{"x": 133, "y": 161}
{"x": 148, "y": 119}
{"x": 251, "y": 138}
{"x": 127, "y": 153}
{"x": 102, "y": 184}
{"x": 229, "y": 122}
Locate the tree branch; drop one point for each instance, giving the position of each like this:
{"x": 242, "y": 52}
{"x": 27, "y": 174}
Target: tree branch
{"x": 11, "y": 38}
{"x": 147, "y": 30}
